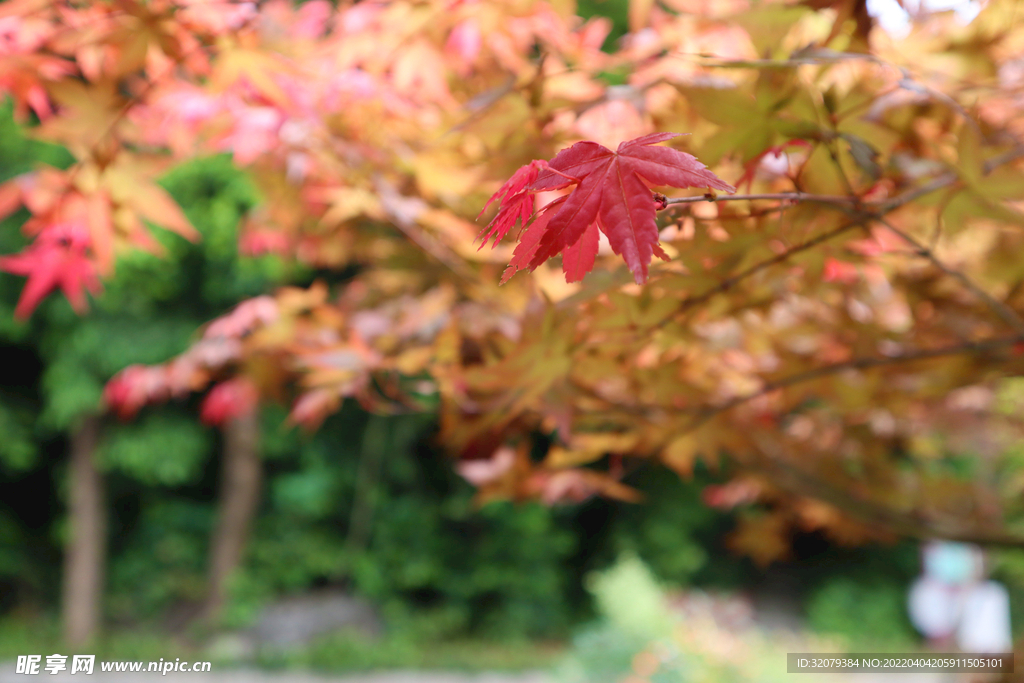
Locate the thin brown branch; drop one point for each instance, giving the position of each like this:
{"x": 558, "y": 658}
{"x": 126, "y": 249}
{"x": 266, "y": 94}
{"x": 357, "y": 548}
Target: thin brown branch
{"x": 781, "y": 196}
{"x": 939, "y": 182}
{"x": 863, "y": 212}
{"x": 947, "y": 180}
{"x": 1009, "y": 316}
{"x": 400, "y": 211}
{"x": 733, "y": 280}
{"x": 799, "y": 482}
{"x": 862, "y": 363}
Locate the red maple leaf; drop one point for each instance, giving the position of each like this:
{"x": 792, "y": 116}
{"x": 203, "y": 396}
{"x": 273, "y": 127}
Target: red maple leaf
{"x": 134, "y": 387}
{"x": 58, "y": 258}
{"x": 611, "y": 195}
{"x": 228, "y": 400}
{"x": 839, "y": 271}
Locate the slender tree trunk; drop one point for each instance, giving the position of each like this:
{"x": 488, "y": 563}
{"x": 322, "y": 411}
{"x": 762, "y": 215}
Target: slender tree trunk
{"x": 239, "y": 497}
{"x": 87, "y": 536}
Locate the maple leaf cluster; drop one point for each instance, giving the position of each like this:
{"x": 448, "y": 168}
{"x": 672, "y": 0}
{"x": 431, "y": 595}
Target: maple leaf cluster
{"x": 72, "y": 67}
{"x": 57, "y": 259}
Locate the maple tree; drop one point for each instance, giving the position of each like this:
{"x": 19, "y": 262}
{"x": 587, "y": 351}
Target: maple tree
{"x": 847, "y": 331}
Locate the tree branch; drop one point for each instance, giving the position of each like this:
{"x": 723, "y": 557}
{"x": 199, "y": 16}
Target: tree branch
{"x": 863, "y": 363}
{"x": 783, "y": 196}
{"x": 733, "y": 280}
{"x": 799, "y": 482}
{"x": 864, "y": 213}
{"x": 1009, "y": 316}
{"x": 874, "y": 208}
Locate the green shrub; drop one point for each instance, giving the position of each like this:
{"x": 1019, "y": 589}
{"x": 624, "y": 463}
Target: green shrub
{"x": 865, "y": 612}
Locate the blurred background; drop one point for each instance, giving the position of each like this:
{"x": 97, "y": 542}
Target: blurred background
{"x": 368, "y": 550}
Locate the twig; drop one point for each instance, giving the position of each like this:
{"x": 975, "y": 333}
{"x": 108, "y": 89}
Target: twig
{"x": 864, "y": 212}
{"x": 392, "y": 201}
{"x": 939, "y": 182}
{"x": 784, "y": 196}
{"x": 861, "y": 363}
{"x": 1009, "y": 316}
{"x": 799, "y": 482}
{"x": 733, "y": 280}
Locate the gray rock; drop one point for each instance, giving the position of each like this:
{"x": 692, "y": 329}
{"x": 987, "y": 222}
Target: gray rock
{"x": 231, "y": 647}
{"x": 298, "y": 620}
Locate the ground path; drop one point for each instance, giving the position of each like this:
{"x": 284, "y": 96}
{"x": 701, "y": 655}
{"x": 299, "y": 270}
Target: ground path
{"x": 7, "y": 675}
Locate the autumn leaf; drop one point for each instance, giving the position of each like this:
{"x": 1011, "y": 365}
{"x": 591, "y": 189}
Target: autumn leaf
{"x": 529, "y": 240}
{"x": 56, "y": 259}
{"x": 132, "y": 388}
{"x": 516, "y": 203}
{"x": 611, "y": 191}
{"x": 764, "y": 537}
{"x": 839, "y": 271}
{"x": 228, "y": 400}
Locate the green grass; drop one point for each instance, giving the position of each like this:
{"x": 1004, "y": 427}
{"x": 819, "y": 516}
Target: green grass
{"x": 336, "y": 653}
{"x": 342, "y": 653}
{"x": 42, "y": 636}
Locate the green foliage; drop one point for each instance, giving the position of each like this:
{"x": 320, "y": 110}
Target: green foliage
{"x": 14, "y": 561}
{"x": 41, "y": 635}
{"x": 163, "y": 448}
{"x": 162, "y": 560}
{"x": 21, "y": 154}
{"x": 499, "y": 569}
{"x": 283, "y": 558}
{"x": 631, "y": 606}
{"x": 70, "y": 391}
{"x": 637, "y": 637}
{"x": 628, "y": 596}
{"x": 632, "y": 610}
{"x": 616, "y": 10}
{"x": 84, "y": 353}
{"x": 871, "y": 611}
{"x": 1007, "y": 566}
{"x": 394, "y": 520}
{"x": 345, "y": 653}
{"x": 18, "y": 449}
{"x": 18, "y": 639}
{"x": 672, "y": 530}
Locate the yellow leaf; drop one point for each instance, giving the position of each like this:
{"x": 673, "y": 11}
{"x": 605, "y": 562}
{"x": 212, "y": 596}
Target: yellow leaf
{"x": 765, "y": 538}
{"x": 413, "y": 361}
{"x": 441, "y": 174}
{"x": 560, "y": 458}
{"x": 347, "y": 203}
{"x": 680, "y": 454}
{"x": 606, "y": 442}
{"x": 768, "y": 24}
{"x": 639, "y": 14}
{"x": 92, "y": 113}
{"x": 970, "y": 161}
{"x": 256, "y": 67}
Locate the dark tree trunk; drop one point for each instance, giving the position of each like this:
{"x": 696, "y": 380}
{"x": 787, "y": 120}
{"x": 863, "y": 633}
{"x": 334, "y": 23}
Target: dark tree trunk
{"x": 239, "y": 498}
{"x": 87, "y": 536}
